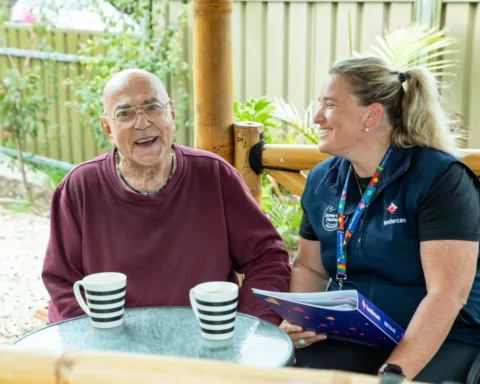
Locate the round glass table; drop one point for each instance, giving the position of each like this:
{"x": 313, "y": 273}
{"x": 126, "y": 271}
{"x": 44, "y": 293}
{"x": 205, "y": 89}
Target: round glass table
{"x": 170, "y": 331}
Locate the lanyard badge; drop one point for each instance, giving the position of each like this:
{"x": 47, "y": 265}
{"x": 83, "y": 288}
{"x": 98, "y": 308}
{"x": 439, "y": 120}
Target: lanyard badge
{"x": 344, "y": 236}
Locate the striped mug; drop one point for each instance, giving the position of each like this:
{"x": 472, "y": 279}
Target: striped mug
{"x": 105, "y": 293}
{"x": 215, "y": 307}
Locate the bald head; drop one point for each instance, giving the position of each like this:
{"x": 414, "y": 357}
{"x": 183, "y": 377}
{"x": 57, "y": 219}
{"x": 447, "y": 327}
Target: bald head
{"x": 128, "y": 83}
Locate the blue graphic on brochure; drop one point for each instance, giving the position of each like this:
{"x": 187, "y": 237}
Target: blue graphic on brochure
{"x": 344, "y": 315}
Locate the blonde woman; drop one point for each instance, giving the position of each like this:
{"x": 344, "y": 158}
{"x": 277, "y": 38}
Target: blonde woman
{"x": 411, "y": 223}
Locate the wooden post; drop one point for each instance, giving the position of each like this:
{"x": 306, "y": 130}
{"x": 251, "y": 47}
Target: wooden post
{"x": 245, "y": 136}
{"x": 212, "y": 76}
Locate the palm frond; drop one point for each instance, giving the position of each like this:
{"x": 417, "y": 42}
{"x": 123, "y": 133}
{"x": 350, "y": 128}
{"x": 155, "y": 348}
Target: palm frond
{"x": 289, "y": 116}
{"x": 417, "y": 45}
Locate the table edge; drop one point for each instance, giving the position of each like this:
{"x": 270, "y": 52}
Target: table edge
{"x": 288, "y": 361}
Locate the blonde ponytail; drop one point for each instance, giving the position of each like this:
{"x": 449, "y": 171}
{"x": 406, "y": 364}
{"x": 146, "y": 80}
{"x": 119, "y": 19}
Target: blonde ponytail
{"x": 410, "y": 100}
{"x": 424, "y": 121}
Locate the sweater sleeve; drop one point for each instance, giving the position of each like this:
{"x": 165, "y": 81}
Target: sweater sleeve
{"x": 62, "y": 266}
{"x": 256, "y": 249}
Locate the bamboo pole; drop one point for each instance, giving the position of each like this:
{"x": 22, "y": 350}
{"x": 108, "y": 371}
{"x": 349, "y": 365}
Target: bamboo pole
{"x": 19, "y": 365}
{"x": 294, "y": 181}
{"x": 245, "y": 136}
{"x": 472, "y": 159}
{"x": 290, "y": 156}
{"x": 212, "y": 76}
{"x": 305, "y": 157}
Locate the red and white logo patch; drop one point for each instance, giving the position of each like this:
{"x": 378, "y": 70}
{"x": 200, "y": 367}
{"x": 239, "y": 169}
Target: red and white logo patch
{"x": 392, "y": 208}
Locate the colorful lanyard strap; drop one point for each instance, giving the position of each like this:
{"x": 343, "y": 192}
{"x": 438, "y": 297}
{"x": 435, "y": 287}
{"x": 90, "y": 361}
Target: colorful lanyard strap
{"x": 343, "y": 237}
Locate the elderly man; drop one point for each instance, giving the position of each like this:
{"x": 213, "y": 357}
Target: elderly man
{"x": 167, "y": 216}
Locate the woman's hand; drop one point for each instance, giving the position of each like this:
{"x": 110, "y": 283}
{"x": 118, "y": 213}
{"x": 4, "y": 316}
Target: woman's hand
{"x": 300, "y": 338}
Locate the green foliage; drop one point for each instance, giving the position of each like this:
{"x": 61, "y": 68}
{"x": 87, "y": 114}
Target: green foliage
{"x": 155, "y": 49}
{"x": 4, "y": 11}
{"x": 23, "y": 108}
{"x": 282, "y": 124}
{"x": 258, "y": 110}
{"x": 285, "y": 213}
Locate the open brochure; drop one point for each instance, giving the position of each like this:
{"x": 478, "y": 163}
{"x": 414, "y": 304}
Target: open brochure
{"x": 345, "y": 315}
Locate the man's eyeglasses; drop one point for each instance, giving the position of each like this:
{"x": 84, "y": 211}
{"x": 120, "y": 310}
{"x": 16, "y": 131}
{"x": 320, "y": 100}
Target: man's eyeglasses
{"x": 126, "y": 118}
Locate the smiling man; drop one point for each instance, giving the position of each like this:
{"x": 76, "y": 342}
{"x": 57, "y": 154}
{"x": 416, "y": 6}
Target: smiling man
{"x": 167, "y": 216}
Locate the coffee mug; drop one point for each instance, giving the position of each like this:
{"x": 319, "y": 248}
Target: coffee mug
{"x": 215, "y": 307}
{"x": 105, "y": 293}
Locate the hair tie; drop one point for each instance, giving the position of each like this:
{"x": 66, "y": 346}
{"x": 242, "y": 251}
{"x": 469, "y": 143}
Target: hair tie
{"x": 402, "y": 78}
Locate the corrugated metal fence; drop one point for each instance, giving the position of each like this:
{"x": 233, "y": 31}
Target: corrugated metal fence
{"x": 280, "y": 48}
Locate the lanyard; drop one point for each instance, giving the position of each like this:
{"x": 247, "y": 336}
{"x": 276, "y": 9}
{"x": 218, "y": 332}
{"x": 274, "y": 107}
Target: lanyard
{"x": 343, "y": 237}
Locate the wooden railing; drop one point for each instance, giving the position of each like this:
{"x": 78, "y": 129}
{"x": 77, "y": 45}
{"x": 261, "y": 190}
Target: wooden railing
{"x": 285, "y": 162}
{"x": 298, "y": 158}
{"x": 21, "y": 366}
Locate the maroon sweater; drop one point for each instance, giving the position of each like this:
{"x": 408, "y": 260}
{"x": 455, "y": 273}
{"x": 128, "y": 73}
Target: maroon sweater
{"x": 202, "y": 227}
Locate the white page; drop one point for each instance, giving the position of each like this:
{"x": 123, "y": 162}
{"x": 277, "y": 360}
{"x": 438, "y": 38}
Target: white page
{"x": 322, "y": 299}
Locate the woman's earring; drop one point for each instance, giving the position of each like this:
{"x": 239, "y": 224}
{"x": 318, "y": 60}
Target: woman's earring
{"x": 367, "y": 129}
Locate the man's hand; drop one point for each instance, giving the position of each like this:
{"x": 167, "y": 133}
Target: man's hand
{"x": 300, "y": 338}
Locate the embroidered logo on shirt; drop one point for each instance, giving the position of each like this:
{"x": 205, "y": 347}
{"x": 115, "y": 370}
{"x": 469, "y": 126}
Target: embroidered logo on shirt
{"x": 392, "y": 208}
{"x": 330, "y": 219}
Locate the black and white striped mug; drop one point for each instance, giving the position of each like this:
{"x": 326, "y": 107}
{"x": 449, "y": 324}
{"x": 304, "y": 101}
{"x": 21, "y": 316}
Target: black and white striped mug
{"x": 215, "y": 307}
{"x": 105, "y": 293}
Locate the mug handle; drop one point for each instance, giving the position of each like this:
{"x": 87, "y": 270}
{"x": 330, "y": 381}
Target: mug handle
{"x": 78, "y": 296}
{"x": 193, "y": 303}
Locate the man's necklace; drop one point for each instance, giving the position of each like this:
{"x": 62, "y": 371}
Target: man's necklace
{"x": 117, "y": 166}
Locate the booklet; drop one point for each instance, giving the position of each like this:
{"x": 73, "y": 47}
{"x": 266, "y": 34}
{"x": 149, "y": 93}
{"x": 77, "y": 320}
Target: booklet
{"x": 344, "y": 315}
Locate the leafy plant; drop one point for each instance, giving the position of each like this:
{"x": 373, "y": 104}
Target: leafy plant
{"x": 285, "y": 213}
{"x": 298, "y": 129}
{"x": 430, "y": 47}
{"x": 23, "y": 109}
{"x": 155, "y": 49}
{"x": 417, "y": 45}
{"x": 283, "y": 123}
{"x": 258, "y": 110}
